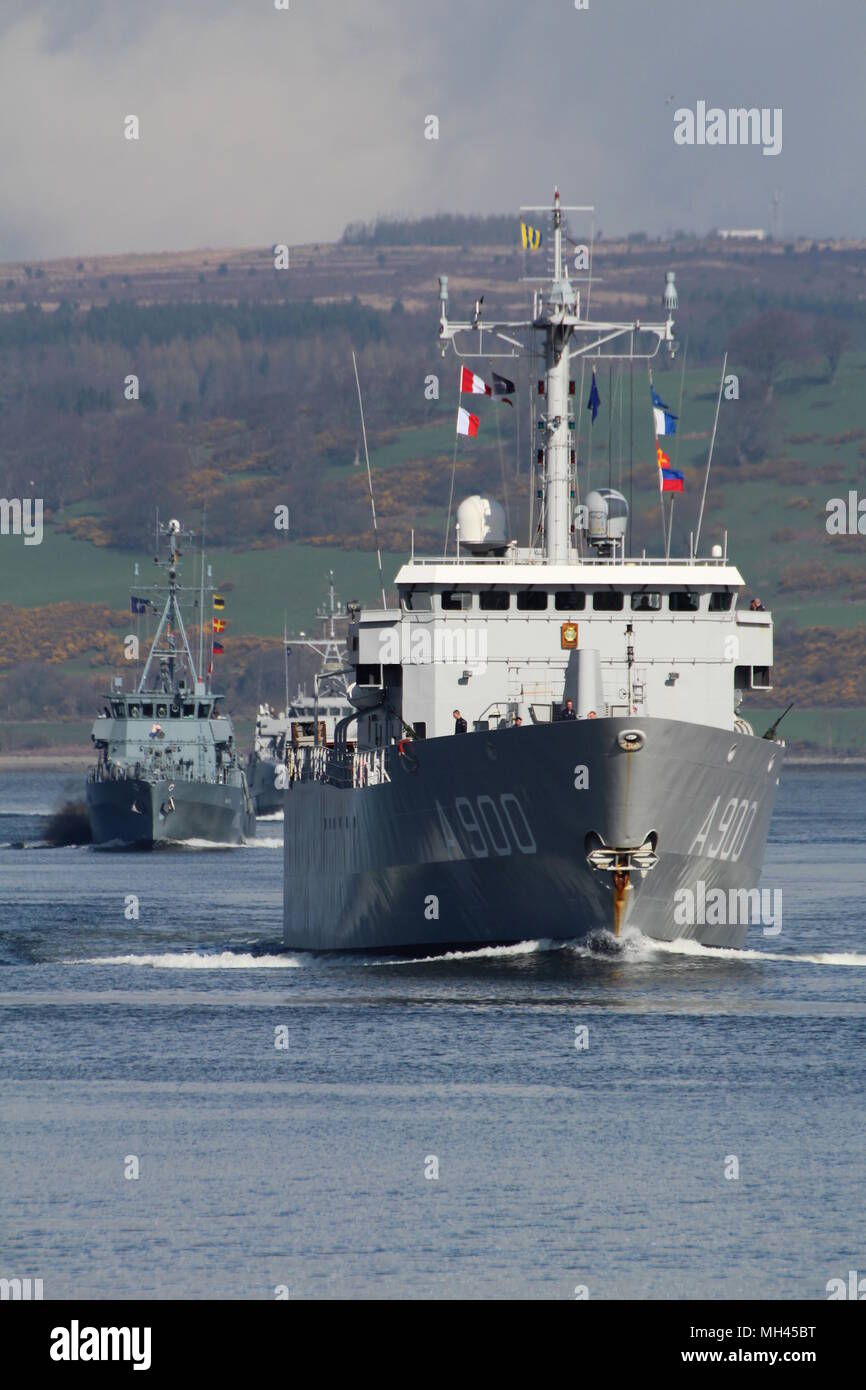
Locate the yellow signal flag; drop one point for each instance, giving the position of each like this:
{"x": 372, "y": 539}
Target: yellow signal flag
{"x": 530, "y": 236}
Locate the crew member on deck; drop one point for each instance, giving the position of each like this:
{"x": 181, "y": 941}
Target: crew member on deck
{"x": 459, "y": 723}
{"x": 567, "y": 711}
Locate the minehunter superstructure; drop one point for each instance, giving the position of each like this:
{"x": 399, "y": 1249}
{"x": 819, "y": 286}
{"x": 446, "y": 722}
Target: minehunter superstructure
{"x": 534, "y": 824}
{"x": 167, "y": 767}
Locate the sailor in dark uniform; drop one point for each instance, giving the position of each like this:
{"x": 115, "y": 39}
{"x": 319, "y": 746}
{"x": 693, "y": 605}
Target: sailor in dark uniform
{"x": 459, "y": 723}
{"x": 567, "y": 711}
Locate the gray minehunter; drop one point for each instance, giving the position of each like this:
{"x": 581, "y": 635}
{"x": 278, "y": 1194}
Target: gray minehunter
{"x": 167, "y": 768}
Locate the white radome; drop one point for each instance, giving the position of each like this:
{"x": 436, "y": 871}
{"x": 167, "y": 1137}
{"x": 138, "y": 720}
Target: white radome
{"x": 481, "y": 521}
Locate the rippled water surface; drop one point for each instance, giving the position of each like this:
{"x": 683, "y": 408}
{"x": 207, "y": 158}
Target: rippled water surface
{"x": 306, "y": 1165}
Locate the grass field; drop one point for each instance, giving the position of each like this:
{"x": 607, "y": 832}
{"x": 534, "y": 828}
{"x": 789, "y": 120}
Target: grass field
{"x": 291, "y": 579}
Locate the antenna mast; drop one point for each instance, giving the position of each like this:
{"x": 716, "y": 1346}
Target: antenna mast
{"x": 710, "y": 455}
{"x": 556, "y": 315}
{"x": 201, "y": 601}
{"x": 370, "y": 482}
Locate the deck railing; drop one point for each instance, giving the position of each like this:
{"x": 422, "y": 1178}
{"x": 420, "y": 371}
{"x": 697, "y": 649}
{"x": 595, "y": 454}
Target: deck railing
{"x": 340, "y": 767}
{"x": 121, "y": 772}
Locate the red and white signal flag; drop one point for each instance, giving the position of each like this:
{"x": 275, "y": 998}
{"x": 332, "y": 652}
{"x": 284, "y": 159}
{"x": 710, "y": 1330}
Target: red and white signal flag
{"x": 473, "y": 385}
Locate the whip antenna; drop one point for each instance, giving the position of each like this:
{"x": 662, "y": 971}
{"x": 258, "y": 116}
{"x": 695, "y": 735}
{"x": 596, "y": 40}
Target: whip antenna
{"x": 369, "y": 482}
{"x": 710, "y": 456}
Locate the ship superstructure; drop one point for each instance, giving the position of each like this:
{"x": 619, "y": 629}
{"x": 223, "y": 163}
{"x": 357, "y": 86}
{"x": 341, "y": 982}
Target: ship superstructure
{"x": 307, "y": 719}
{"x": 604, "y": 770}
{"x": 167, "y": 767}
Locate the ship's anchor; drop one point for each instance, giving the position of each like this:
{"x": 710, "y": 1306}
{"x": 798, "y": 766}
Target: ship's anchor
{"x": 620, "y": 863}
{"x": 168, "y": 806}
{"x": 621, "y": 879}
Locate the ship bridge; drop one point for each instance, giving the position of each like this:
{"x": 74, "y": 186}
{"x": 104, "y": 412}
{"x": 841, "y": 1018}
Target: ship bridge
{"x": 514, "y": 636}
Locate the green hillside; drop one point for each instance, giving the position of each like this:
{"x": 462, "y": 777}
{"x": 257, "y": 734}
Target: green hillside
{"x": 248, "y": 401}
{"x": 260, "y": 585}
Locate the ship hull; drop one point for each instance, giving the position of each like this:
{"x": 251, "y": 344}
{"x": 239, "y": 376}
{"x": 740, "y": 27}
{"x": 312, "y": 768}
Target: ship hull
{"x": 138, "y": 812}
{"x": 261, "y": 776}
{"x": 482, "y": 839}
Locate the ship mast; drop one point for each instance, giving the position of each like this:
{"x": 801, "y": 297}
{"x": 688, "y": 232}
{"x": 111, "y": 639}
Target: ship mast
{"x": 556, "y": 316}
{"x": 555, "y": 321}
{"x": 171, "y": 623}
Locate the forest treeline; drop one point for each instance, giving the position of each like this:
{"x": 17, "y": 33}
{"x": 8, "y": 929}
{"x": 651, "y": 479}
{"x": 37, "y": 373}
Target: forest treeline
{"x": 128, "y": 324}
{"x": 442, "y": 229}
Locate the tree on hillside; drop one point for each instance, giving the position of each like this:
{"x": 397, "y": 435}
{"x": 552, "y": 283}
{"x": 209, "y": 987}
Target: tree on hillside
{"x": 767, "y": 344}
{"x": 831, "y": 338}
{"x": 746, "y": 426}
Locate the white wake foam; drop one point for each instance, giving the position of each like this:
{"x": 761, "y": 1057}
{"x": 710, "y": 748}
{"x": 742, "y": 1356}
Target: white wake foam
{"x": 197, "y": 960}
{"x": 520, "y": 948}
{"x": 265, "y": 842}
{"x": 632, "y": 945}
{"x": 684, "y": 947}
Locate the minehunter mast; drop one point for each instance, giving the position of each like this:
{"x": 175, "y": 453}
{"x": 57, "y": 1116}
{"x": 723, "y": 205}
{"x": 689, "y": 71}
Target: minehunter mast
{"x": 556, "y": 314}
{"x": 171, "y": 622}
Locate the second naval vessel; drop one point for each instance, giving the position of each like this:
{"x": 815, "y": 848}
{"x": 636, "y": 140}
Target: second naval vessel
{"x": 167, "y": 767}
{"x": 306, "y": 719}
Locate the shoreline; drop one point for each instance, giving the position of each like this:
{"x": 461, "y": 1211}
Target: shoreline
{"x": 46, "y": 761}
{"x": 76, "y": 759}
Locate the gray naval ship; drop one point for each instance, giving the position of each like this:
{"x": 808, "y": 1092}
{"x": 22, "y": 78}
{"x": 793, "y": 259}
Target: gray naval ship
{"x": 605, "y": 776}
{"x": 167, "y": 768}
{"x": 306, "y": 719}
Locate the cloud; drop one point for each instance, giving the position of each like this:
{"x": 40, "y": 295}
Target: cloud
{"x": 260, "y": 125}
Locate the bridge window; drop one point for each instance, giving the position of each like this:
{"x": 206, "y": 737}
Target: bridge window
{"x": 607, "y": 601}
{"x": 203, "y": 711}
{"x": 147, "y": 710}
{"x": 681, "y": 601}
{"x": 569, "y": 600}
{"x": 532, "y": 600}
{"x": 417, "y": 600}
{"x": 454, "y": 600}
{"x": 495, "y": 600}
{"x": 646, "y": 602}
{"x": 189, "y": 711}
{"x": 117, "y": 708}
{"x": 721, "y": 602}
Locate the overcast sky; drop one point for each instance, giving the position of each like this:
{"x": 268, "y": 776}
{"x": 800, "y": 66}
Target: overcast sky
{"x": 261, "y": 126}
